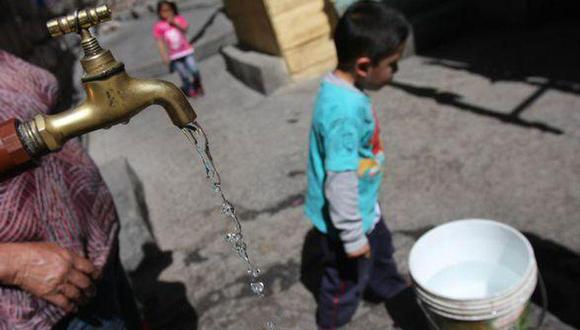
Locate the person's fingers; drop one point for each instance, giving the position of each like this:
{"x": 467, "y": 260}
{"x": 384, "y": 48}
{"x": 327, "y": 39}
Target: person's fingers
{"x": 80, "y": 280}
{"x": 71, "y": 292}
{"x": 83, "y": 265}
{"x": 63, "y": 302}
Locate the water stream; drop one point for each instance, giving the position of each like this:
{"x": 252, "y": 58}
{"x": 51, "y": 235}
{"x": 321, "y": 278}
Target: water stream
{"x": 235, "y": 238}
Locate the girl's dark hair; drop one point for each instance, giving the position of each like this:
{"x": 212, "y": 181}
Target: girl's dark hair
{"x": 369, "y": 28}
{"x": 170, "y": 4}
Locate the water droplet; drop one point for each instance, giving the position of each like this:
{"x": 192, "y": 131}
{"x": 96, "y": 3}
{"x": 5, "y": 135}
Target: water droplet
{"x": 271, "y": 325}
{"x": 232, "y": 238}
{"x": 257, "y": 288}
{"x": 240, "y": 247}
{"x": 254, "y": 272}
{"x": 228, "y": 209}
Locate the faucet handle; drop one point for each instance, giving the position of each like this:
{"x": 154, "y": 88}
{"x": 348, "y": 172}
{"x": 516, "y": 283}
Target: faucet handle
{"x": 79, "y": 20}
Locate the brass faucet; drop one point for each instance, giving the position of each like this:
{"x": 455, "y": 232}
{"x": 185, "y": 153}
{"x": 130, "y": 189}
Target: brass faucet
{"x": 112, "y": 96}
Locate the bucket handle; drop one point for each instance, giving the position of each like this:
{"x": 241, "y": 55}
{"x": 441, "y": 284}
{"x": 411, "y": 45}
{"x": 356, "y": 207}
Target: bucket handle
{"x": 541, "y": 318}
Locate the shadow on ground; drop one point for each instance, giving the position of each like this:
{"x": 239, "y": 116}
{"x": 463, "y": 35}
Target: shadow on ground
{"x": 164, "y": 304}
{"x": 543, "y": 56}
{"x": 560, "y": 269}
{"x": 201, "y": 31}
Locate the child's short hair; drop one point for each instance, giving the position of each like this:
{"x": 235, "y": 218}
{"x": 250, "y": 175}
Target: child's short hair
{"x": 369, "y": 28}
{"x": 170, "y": 4}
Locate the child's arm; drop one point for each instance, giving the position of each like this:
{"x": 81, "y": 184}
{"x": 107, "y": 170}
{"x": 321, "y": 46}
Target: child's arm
{"x": 341, "y": 136}
{"x": 341, "y": 190}
{"x": 163, "y": 51}
{"x": 180, "y": 23}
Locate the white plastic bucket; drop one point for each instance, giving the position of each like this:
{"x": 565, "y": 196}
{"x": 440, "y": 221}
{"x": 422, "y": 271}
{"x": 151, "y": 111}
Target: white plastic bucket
{"x": 473, "y": 274}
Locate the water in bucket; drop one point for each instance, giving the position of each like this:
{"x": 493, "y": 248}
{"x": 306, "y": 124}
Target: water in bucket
{"x": 473, "y": 280}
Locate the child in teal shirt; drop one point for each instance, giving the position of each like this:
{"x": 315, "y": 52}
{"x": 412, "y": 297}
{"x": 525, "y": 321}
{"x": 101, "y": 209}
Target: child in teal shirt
{"x": 345, "y": 169}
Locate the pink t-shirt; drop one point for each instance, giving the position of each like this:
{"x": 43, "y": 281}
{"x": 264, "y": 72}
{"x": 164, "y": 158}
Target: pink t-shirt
{"x": 175, "y": 40}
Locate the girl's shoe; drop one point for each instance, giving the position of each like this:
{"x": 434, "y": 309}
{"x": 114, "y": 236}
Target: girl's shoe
{"x": 193, "y": 93}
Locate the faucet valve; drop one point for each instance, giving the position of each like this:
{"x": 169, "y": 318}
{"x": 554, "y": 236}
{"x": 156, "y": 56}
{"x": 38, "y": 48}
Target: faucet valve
{"x": 79, "y": 20}
{"x": 98, "y": 63}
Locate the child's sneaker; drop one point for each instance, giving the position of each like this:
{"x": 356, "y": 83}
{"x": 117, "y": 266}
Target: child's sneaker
{"x": 193, "y": 93}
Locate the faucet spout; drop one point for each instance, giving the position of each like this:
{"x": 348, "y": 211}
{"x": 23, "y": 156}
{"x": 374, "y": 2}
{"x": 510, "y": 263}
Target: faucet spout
{"x": 170, "y": 97}
{"x": 109, "y": 102}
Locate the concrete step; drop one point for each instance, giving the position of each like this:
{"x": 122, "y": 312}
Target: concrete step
{"x": 261, "y": 72}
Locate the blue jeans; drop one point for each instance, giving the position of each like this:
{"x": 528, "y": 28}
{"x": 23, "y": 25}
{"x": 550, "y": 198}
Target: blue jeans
{"x": 113, "y": 308}
{"x": 188, "y": 72}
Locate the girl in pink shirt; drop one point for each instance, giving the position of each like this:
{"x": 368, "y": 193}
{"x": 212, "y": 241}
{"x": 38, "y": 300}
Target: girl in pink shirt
{"x": 175, "y": 49}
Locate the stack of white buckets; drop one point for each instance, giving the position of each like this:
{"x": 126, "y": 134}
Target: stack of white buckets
{"x": 474, "y": 274}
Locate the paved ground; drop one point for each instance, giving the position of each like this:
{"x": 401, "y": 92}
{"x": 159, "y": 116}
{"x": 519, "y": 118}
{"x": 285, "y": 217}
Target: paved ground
{"x": 483, "y": 127}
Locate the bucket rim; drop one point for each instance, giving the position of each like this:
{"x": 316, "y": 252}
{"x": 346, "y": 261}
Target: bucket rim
{"x": 505, "y": 292}
{"x": 482, "y": 309}
{"x": 530, "y": 281}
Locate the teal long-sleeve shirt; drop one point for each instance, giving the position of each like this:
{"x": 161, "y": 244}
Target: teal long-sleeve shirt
{"x": 344, "y": 140}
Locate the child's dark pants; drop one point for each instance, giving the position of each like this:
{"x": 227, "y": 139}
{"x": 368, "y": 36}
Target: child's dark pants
{"x": 345, "y": 280}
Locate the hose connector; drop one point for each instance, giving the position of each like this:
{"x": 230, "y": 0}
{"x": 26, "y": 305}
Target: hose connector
{"x": 12, "y": 151}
